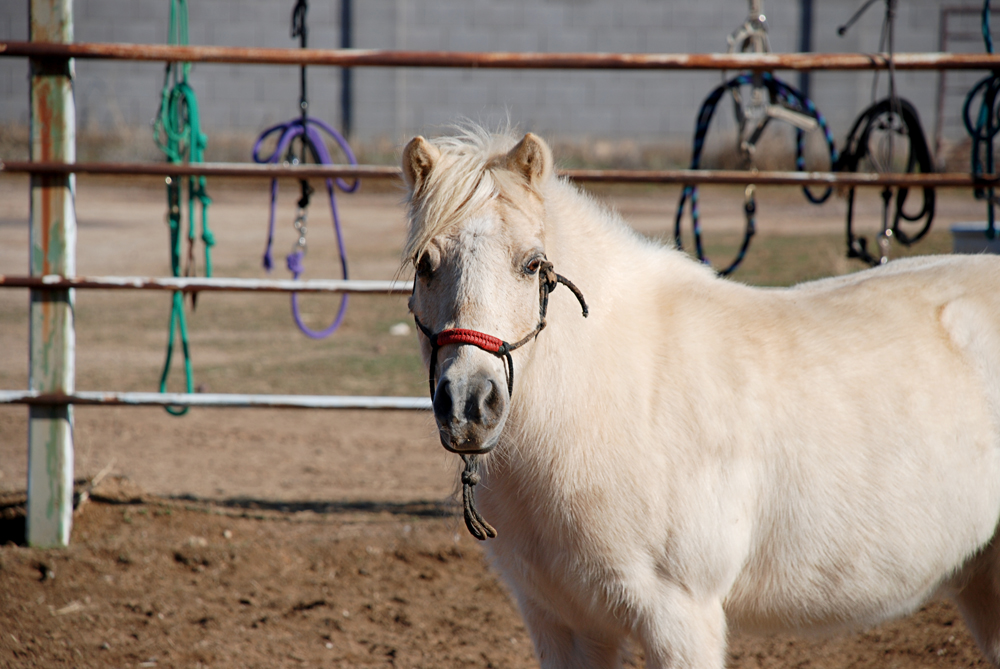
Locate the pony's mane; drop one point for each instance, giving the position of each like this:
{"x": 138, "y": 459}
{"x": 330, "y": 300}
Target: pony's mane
{"x": 464, "y": 179}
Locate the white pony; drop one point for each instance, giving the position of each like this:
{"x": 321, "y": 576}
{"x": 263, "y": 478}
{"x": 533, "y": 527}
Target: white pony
{"x": 699, "y": 455}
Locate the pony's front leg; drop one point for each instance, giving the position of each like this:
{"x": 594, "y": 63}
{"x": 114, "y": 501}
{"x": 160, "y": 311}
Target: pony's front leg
{"x": 681, "y": 632}
{"x": 560, "y": 647}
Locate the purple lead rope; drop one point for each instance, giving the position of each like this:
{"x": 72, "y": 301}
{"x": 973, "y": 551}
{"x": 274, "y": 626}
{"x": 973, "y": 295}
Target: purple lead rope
{"x": 312, "y": 138}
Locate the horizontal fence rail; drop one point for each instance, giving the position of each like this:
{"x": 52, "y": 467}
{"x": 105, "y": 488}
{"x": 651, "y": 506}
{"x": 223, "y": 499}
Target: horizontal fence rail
{"x": 263, "y": 171}
{"x": 199, "y": 284}
{"x": 219, "y": 400}
{"x": 502, "y": 60}
{"x": 780, "y": 178}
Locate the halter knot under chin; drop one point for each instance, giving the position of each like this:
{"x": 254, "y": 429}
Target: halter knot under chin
{"x": 547, "y": 282}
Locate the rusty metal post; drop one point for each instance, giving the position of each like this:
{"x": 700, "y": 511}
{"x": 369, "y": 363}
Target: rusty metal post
{"x": 53, "y": 251}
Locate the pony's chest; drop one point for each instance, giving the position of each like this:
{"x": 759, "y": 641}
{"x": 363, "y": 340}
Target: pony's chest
{"x": 558, "y": 555}
{"x": 573, "y": 586}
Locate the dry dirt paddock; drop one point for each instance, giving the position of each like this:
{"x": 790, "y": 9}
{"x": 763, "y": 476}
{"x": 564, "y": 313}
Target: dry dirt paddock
{"x": 242, "y": 538}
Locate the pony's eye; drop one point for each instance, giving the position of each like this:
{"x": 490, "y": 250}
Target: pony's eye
{"x": 533, "y": 265}
{"x": 424, "y": 266}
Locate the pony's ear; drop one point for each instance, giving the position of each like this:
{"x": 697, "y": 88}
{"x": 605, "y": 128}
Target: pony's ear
{"x": 419, "y": 157}
{"x": 531, "y": 158}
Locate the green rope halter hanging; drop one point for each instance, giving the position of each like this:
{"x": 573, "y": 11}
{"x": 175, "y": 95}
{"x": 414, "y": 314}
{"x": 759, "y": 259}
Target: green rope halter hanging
{"x": 177, "y": 132}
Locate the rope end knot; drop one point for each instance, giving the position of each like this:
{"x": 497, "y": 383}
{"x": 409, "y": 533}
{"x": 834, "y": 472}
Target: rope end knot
{"x": 476, "y": 524}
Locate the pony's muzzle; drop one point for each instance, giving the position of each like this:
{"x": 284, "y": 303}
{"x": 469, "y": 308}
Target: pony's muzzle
{"x": 470, "y": 412}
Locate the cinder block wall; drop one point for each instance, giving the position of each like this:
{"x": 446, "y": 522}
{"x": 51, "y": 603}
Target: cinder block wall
{"x": 391, "y": 105}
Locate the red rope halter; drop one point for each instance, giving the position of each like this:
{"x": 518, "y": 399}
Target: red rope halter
{"x": 488, "y": 343}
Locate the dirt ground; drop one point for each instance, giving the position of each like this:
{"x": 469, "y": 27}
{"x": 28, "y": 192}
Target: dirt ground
{"x": 264, "y": 538}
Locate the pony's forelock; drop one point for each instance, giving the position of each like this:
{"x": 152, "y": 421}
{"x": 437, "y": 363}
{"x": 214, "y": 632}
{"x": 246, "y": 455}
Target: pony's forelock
{"x": 462, "y": 182}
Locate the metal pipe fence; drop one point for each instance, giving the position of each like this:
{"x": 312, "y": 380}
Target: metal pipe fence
{"x": 53, "y": 227}
{"x": 502, "y": 60}
{"x": 762, "y": 177}
{"x": 215, "y": 400}
{"x": 206, "y": 284}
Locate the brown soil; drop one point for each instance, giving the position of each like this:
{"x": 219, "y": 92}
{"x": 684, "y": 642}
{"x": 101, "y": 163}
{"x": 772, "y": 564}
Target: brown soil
{"x": 294, "y": 539}
{"x": 168, "y": 583}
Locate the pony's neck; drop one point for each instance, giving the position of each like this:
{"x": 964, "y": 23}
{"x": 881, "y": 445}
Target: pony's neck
{"x": 625, "y": 279}
{"x": 572, "y": 370}
{"x": 582, "y": 236}
{"x": 589, "y": 246}
{"x": 593, "y": 246}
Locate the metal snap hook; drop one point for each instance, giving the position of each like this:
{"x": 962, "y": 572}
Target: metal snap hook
{"x": 302, "y": 228}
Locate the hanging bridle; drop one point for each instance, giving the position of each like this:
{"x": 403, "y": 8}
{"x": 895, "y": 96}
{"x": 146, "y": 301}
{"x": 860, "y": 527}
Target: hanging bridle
{"x": 548, "y": 279}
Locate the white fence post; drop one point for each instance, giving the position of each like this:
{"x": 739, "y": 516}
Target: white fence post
{"x": 53, "y": 251}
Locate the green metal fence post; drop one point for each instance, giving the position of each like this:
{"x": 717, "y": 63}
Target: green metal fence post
{"x": 53, "y": 251}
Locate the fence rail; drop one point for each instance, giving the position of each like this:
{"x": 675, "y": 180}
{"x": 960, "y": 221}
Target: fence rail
{"x": 199, "y": 284}
{"x": 227, "y": 400}
{"x": 781, "y": 178}
{"x": 501, "y": 59}
{"x": 263, "y": 171}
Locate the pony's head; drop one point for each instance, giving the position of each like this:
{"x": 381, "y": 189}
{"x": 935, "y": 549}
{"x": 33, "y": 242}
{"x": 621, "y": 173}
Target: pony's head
{"x": 477, "y": 241}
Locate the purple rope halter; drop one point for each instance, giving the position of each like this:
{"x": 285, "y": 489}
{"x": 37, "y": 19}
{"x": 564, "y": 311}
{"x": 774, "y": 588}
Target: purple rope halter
{"x": 305, "y": 128}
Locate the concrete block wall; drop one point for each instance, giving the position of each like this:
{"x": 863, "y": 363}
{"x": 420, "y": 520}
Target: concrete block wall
{"x": 393, "y": 104}
{"x": 14, "y": 105}
{"x": 645, "y": 106}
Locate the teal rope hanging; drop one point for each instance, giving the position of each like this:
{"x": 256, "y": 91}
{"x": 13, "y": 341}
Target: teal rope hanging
{"x": 984, "y": 129}
{"x": 177, "y": 132}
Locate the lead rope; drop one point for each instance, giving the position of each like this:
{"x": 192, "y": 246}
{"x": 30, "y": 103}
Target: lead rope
{"x": 478, "y": 527}
{"x": 769, "y": 98}
{"x": 306, "y": 129}
{"x": 547, "y": 282}
{"x": 983, "y": 130}
{"x": 884, "y": 119}
{"x": 177, "y": 132}
{"x": 783, "y": 96}
{"x": 880, "y": 117}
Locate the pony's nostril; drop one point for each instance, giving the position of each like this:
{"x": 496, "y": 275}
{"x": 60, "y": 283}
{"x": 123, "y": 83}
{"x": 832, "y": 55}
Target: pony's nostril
{"x": 475, "y": 401}
{"x": 443, "y": 403}
{"x": 484, "y": 404}
{"x": 473, "y": 406}
{"x": 491, "y": 405}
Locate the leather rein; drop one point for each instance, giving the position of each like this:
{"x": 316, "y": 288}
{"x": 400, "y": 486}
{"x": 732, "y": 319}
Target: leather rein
{"x": 547, "y": 282}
